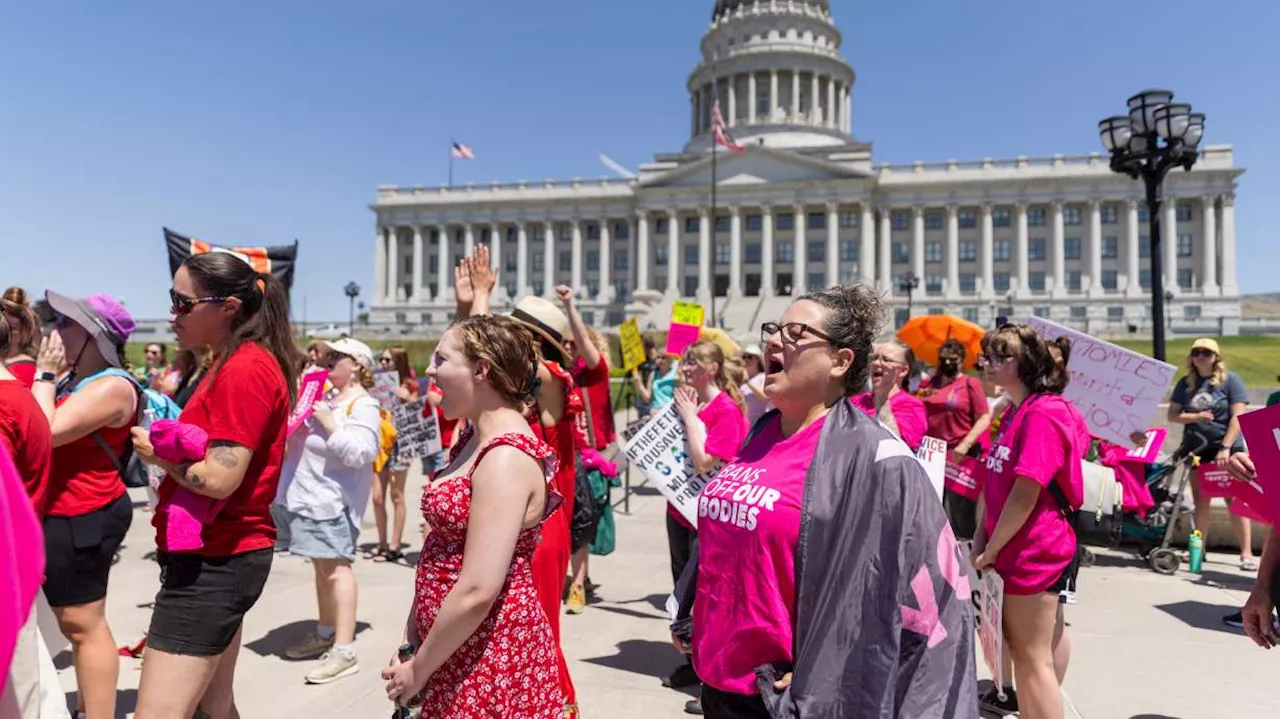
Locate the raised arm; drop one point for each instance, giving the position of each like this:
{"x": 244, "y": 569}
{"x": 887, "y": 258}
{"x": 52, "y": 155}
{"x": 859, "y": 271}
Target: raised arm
{"x": 586, "y": 351}
{"x": 107, "y": 402}
{"x": 695, "y": 432}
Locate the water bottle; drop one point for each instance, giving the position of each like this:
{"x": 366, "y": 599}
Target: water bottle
{"x": 1195, "y": 547}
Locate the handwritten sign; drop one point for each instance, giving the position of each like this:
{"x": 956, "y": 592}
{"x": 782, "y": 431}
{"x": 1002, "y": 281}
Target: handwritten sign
{"x": 416, "y": 435}
{"x": 1149, "y": 452}
{"x": 660, "y": 451}
{"x": 686, "y": 327}
{"x": 308, "y": 393}
{"x": 990, "y": 612}
{"x": 933, "y": 457}
{"x": 633, "y": 354}
{"x": 1261, "y": 430}
{"x": 966, "y": 478}
{"x": 384, "y": 388}
{"x": 1117, "y": 391}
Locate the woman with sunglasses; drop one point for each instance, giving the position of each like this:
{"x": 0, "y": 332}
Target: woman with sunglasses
{"x": 395, "y": 473}
{"x": 220, "y": 301}
{"x": 957, "y": 413}
{"x": 890, "y": 399}
{"x": 1034, "y": 487}
{"x": 1208, "y": 401}
{"x": 821, "y": 541}
{"x": 90, "y": 399}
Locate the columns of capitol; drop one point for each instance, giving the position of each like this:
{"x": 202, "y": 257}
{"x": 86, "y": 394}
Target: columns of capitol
{"x": 443, "y": 266}
{"x": 735, "y": 252}
{"x": 867, "y": 252}
{"x": 1229, "y": 286}
{"x": 393, "y": 274}
{"x": 751, "y": 98}
{"x": 1059, "y": 259}
{"x": 605, "y": 290}
{"x": 1169, "y": 237}
{"x": 418, "y": 257}
{"x": 799, "y": 275}
{"x": 549, "y": 260}
{"x": 917, "y": 243}
{"x": 704, "y": 256}
{"x": 673, "y": 254}
{"x": 379, "y": 265}
{"x": 775, "y": 99}
{"x": 1022, "y": 272}
{"x": 953, "y": 252}
{"x": 988, "y": 253}
{"x": 1095, "y": 249}
{"x": 885, "y": 276}
{"x": 766, "y": 251}
{"x": 522, "y": 260}
{"x": 642, "y": 252}
{"x": 575, "y": 262}
{"x": 833, "y": 244}
{"x": 1132, "y": 250}
{"x": 1209, "y": 247}
{"x": 495, "y": 245}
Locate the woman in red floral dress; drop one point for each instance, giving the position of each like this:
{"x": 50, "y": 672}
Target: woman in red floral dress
{"x": 484, "y": 647}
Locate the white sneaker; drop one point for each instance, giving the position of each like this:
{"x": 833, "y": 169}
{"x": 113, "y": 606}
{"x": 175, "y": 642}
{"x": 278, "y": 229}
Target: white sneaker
{"x": 334, "y": 666}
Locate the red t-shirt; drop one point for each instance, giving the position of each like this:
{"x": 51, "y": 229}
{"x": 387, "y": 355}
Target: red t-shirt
{"x": 246, "y": 402}
{"x": 84, "y": 478}
{"x": 447, "y": 426}
{"x": 25, "y": 433}
{"x": 24, "y": 370}
{"x": 593, "y": 387}
{"x": 952, "y": 410}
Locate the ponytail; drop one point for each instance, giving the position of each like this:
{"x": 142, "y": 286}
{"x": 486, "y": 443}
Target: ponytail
{"x": 1060, "y": 351}
{"x": 26, "y": 340}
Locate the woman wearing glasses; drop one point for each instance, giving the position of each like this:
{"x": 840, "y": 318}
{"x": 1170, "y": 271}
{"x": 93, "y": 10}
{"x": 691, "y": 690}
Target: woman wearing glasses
{"x": 221, "y": 302}
{"x": 395, "y": 472}
{"x": 822, "y": 543}
{"x": 1034, "y": 486}
{"x": 1209, "y": 400}
{"x": 890, "y": 399}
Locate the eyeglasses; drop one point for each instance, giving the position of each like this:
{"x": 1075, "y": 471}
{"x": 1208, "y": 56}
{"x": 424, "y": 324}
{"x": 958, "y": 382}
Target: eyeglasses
{"x": 1200, "y": 352}
{"x": 180, "y": 305}
{"x": 385, "y": 360}
{"x": 792, "y": 332}
{"x": 886, "y": 359}
{"x": 993, "y": 359}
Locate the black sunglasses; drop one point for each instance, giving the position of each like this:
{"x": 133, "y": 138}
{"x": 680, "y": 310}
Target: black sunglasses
{"x": 1200, "y": 352}
{"x": 180, "y": 305}
{"x": 792, "y": 332}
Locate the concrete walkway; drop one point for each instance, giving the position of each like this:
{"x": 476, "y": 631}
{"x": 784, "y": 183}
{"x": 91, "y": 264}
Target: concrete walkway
{"x": 1146, "y": 646}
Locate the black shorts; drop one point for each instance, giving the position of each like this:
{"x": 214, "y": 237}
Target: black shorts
{"x": 79, "y": 550}
{"x": 724, "y": 705}
{"x": 1065, "y": 586}
{"x": 202, "y": 600}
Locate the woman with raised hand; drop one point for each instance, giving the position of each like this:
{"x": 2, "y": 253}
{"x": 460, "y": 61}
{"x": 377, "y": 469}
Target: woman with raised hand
{"x": 890, "y": 400}
{"x": 481, "y": 646}
{"x": 222, "y": 302}
{"x": 829, "y": 583}
{"x": 90, "y": 399}
{"x": 395, "y": 473}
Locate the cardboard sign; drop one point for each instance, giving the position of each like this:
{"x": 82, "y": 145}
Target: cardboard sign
{"x": 1148, "y": 453}
{"x": 687, "y": 313}
{"x": 633, "y": 354}
{"x": 1261, "y": 430}
{"x": 933, "y": 456}
{"x": 966, "y": 479}
{"x": 990, "y": 612}
{"x": 308, "y": 392}
{"x": 384, "y": 388}
{"x": 686, "y": 327}
{"x": 1117, "y": 391}
{"x": 416, "y": 435}
{"x": 660, "y": 451}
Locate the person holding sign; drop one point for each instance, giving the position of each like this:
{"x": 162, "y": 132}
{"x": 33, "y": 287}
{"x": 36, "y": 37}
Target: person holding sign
{"x": 481, "y": 644}
{"x": 395, "y": 472}
{"x": 956, "y": 410}
{"x": 1034, "y": 486}
{"x": 1209, "y": 400}
{"x": 890, "y": 399}
{"x": 324, "y": 490}
{"x": 1258, "y": 613}
{"x": 828, "y": 581}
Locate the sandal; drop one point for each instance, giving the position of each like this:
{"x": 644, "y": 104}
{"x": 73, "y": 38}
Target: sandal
{"x": 1248, "y": 564}
{"x": 390, "y": 556}
{"x": 377, "y": 554}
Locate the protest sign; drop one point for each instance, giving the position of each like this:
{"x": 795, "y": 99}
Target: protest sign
{"x": 416, "y": 435}
{"x": 384, "y": 388}
{"x": 933, "y": 457}
{"x": 660, "y": 452}
{"x": 686, "y": 327}
{"x": 1117, "y": 391}
{"x": 633, "y": 354}
{"x": 966, "y": 478}
{"x": 990, "y": 614}
{"x": 1261, "y": 430}
{"x": 308, "y": 393}
{"x": 1149, "y": 452}
{"x": 1216, "y": 482}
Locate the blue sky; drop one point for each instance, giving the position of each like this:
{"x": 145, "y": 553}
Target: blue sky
{"x": 260, "y": 122}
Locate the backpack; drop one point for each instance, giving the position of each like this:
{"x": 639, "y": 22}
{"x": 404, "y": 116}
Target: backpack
{"x": 152, "y": 405}
{"x": 386, "y": 436}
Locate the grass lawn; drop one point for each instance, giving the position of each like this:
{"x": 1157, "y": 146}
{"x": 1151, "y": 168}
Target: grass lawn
{"x": 1255, "y": 358}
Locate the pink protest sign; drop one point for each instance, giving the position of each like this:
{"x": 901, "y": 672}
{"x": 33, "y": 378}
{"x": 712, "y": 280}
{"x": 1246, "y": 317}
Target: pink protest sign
{"x": 21, "y": 557}
{"x": 686, "y": 327}
{"x": 1216, "y": 482}
{"x": 1261, "y": 430}
{"x": 966, "y": 479}
{"x": 308, "y": 393}
{"x": 1147, "y": 453}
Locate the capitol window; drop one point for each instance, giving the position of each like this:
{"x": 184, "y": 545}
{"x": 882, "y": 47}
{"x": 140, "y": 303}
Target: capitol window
{"x": 1036, "y": 217}
{"x": 1042, "y": 312}
{"x": 968, "y": 283}
{"x": 659, "y": 255}
{"x": 817, "y": 251}
{"x": 1115, "y": 313}
{"x": 933, "y": 251}
{"x": 786, "y": 221}
{"x": 1000, "y": 281}
{"x": 900, "y": 220}
{"x": 1144, "y": 279}
{"x": 1110, "y": 247}
{"x": 1110, "y": 215}
{"x": 691, "y": 225}
{"x": 1001, "y": 217}
{"x": 539, "y": 233}
{"x": 901, "y": 254}
{"x": 511, "y": 262}
{"x": 1002, "y": 250}
{"x": 511, "y": 234}
{"x": 849, "y": 219}
{"x": 1191, "y": 312}
{"x": 722, "y": 253}
{"x": 593, "y": 260}
{"x": 1071, "y": 215}
{"x": 690, "y": 255}
{"x": 539, "y": 262}
{"x": 784, "y": 252}
{"x": 1074, "y": 280}
{"x": 1185, "y": 213}
{"x": 933, "y": 284}
{"x": 755, "y": 223}
{"x": 662, "y": 226}
{"x": 1035, "y": 281}
{"x": 1079, "y": 313}
{"x": 817, "y": 279}
{"x": 1144, "y": 246}
{"x": 848, "y": 251}
{"x": 1071, "y": 248}
{"x": 486, "y": 237}
{"x": 1184, "y": 245}
{"x": 968, "y": 251}
{"x": 622, "y": 231}
{"x": 593, "y": 289}
{"x": 968, "y": 219}
{"x": 1185, "y": 278}
{"x": 538, "y": 287}
{"x": 593, "y": 231}
{"x": 1110, "y": 280}
{"x": 1142, "y": 213}
{"x": 970, "y": 314}
{"x": 933, "y": 220}
{"x": 722, "y": 224}
{"x": 753, "y": 253}
{"x": 620, "y": 259}
{"x": 817, "y": 220}
{"x": 566, "y": 261}
{"x": 566, "y": 234}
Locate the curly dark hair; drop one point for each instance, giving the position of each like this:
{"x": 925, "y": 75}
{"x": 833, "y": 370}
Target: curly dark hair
{"x": 1042, "y": 364}
{"x": 855, "y": 314}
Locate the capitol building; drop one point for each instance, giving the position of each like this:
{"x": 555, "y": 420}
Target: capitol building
{"x": 806, "y": 206}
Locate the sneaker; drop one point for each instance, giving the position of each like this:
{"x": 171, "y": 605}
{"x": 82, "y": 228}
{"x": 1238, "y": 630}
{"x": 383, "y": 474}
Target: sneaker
{"x": 693, "y": 706}
{"x": 1235, "y": 621}
{"x": 682, "y": 677}
{"x": 311, "y": 647}
{"x": 577, "y": 600}
{"x": 991, "y": 702}
{"x": 334, "y": 666}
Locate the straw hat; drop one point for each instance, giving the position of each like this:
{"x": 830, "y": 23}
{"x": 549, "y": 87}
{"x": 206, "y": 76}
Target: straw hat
{"x": 543, "y": 318}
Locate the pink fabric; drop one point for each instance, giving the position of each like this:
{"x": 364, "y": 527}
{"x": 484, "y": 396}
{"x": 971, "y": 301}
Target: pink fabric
{"x": 187, "y": 511}
{"x": 592, "y": 459}
{"x": 726, "y": 428}
{"x": 748, "y": 529}
{"x": 908, "y": 412}
{"x": 21, "y": 557}
{"x": 1043, "y": 440}
{"x": 1131, "y": 473}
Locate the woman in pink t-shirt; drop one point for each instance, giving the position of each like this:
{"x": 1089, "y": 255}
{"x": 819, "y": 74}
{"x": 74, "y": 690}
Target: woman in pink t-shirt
{"x": 889, "y": 399}
{"x": 1034, "y": 486}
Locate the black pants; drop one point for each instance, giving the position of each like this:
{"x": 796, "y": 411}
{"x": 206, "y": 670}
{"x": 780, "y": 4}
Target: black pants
{"x": 962, "y": 513}
{"x": 723, "y": 705}
{"x": 680, "y": 541}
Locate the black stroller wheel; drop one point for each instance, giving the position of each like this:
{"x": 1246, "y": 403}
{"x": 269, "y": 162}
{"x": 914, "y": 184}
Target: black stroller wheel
{"x": 1165, "y": 561}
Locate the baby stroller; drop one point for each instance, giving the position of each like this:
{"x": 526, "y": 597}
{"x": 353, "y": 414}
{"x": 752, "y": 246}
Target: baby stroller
{"x": 1154, "y": 531}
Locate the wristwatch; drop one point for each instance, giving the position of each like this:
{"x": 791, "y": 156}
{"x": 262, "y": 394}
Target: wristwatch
{"x": 46, "y": 377}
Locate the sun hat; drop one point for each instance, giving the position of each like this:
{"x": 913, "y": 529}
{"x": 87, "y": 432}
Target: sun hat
{"x": 102, "y": 316}
{"x": 543, "y": 318}
{"x": 752, "y": 350}
{"x": 1204, "y": 343}
{"x": 355, "y": 349}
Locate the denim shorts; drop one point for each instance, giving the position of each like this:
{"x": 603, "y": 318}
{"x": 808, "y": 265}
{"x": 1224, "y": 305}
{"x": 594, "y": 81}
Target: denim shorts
{"x": 316, "y": 538}
{"x": 202, "y": 600}
{"x": 433, "y": 463}
{"x": 395, "y": 463}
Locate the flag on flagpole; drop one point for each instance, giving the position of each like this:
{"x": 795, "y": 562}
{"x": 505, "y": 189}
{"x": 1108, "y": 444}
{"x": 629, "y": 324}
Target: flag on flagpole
{"x": 721, "y": 133}
{"x": 463, "y": 152}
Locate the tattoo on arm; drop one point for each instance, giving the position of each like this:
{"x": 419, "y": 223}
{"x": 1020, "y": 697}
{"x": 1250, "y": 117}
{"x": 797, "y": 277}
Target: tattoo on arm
{"x": 225, "y": 457}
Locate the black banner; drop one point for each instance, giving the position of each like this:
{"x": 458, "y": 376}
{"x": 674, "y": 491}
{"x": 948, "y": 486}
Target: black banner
{"x": 278, "y": 260}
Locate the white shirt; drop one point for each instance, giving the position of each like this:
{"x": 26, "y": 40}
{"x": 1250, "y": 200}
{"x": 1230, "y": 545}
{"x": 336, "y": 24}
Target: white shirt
{"x": 326, "y": 476}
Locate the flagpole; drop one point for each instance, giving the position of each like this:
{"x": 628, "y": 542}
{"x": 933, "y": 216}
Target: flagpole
{"x": 451, "y": 144}
{"x": 714, "y": 222}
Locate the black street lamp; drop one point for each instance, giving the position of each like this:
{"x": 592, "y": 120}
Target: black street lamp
{"x": 1156, "y": 136}
{"x": 352, "y": 291}
{"x": 1168, "y": 310}
{"x": 908, "y": 283}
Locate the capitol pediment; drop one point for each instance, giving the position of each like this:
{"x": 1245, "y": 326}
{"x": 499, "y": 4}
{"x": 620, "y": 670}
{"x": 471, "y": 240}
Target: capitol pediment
{"x": 754, "y": 166}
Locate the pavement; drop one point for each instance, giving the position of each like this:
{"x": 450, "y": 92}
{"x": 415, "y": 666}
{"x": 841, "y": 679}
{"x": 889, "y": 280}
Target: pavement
{"x": 1146, "y": 646}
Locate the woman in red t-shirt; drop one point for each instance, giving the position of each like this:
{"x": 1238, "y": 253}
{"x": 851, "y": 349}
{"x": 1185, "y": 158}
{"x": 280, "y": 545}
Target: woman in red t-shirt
{"x": 220, "y": 301}
{"x": 955, "y": 406}
{"x": 24, "y": 335}
{"x": 88, "y": 513}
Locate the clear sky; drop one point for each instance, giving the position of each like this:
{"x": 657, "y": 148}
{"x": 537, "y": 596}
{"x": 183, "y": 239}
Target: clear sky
{"x": 260, "y": 122}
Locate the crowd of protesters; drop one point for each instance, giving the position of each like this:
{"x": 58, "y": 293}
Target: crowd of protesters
{"x": 809, "y": 435}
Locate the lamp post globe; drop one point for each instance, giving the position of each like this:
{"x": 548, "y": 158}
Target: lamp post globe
{"x": 352, "y": 291}
{"x": 909, "y": 283}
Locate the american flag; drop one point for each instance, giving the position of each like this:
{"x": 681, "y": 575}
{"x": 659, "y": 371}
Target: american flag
{"x": 463, "y": 152}
{"x": 720, "y": 133}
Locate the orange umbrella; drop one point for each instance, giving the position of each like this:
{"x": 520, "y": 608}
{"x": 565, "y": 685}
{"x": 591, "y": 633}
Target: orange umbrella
{"x": 926, "y": 333}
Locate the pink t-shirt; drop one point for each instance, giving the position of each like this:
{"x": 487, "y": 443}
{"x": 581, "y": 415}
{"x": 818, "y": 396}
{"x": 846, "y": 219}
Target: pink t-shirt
{"x": 748, "y": 529}
{"x": 726, "y": 428}
{"x": 1044, "y": 440}
{"x": 908, "y": 413}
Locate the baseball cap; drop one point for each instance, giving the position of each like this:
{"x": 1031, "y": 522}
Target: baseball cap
{"x": 1204, "y": 343}
{"x": 355, "y": 349}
